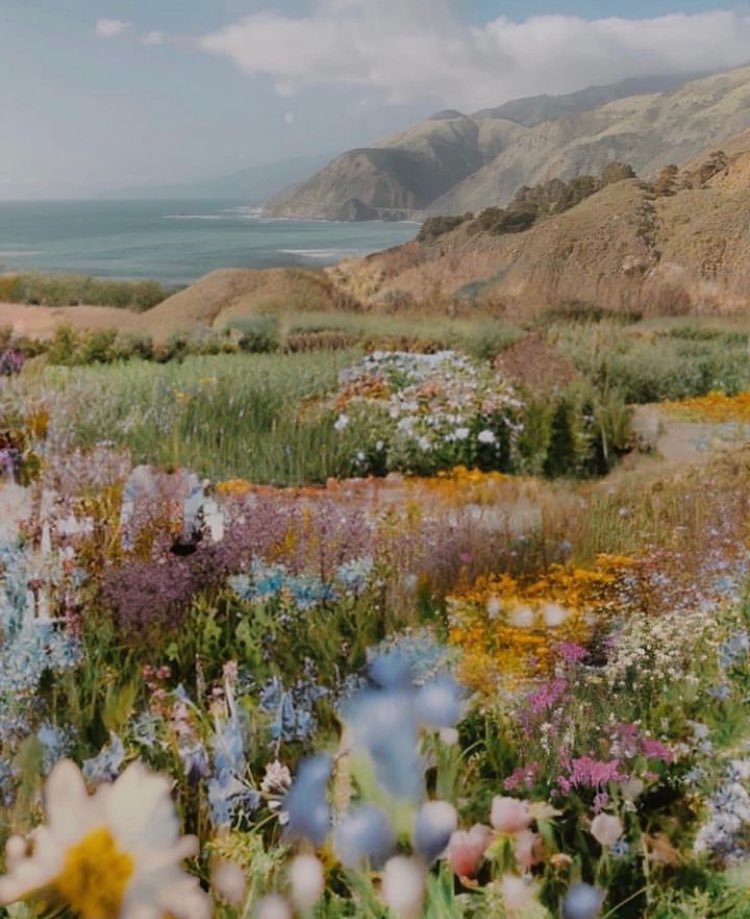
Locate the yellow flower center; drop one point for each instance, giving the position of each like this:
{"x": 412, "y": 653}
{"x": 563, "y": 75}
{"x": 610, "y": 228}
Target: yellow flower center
{"x": 94, "y": 876}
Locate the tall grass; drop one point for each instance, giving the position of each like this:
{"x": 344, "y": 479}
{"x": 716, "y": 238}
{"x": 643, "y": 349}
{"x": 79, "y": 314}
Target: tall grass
{"x": 480, "y": 337}
{"x": 73, "y": 290}
{"x": 230, "y": 415}
{"x": 656, "y": 362}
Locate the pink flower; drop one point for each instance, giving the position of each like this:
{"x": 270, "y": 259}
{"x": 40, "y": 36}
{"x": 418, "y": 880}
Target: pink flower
{"x": 654, "y": 749}
{"x": 509, "y": 815}
{"x": 466, "y": 850}
{"x": 526, "y": 848}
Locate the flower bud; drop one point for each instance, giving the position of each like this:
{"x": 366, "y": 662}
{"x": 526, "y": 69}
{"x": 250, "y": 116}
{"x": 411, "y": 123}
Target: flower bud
{"x": 466, "y": 850}
{"x": 433, "y": 826}
{"x": 606, "y": 829}
{"x": 509, "y": 815}
{"x": 307, "y": 881}
{"x": 403, "y": 886}
{"x": 228, "y": 881}
{"x": 582, "y": 902}
{"x": 273, "y": 906}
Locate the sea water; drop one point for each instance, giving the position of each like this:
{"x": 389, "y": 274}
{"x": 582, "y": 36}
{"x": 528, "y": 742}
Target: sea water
{"x": 174, "y": 242}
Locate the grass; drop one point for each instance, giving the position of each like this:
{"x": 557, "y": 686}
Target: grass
{"x": 483, "y": 337}
{"x": 657, "y": 361}
{"x": 222, "y": 416}
{"x": 73, "y": 290}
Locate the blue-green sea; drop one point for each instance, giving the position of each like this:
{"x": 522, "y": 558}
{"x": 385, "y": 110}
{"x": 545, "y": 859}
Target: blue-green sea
{"x": 174, "y": 241}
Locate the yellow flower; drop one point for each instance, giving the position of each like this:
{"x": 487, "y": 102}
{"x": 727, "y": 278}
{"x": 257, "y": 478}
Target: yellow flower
{"x": 112, "y": 855}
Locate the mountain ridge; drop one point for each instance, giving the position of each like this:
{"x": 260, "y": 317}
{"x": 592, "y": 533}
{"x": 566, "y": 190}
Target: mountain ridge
{"x": 451, "y": 163}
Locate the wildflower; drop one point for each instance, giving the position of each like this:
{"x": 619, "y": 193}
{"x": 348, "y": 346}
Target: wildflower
{"x": 438, "y": 703}
{"x": 106, "y": 766}
{"x": 466, "y": 850}
{"x": 487, "y": 437}
{"x": 274, "y": 906}
{"x": 342, "y": 422}
{"x": 526, "y": 848}
{"x": 307, "y": 881}
{"x": 306, "y": 803}
{"x": 509, "y": 815}
{"x": 606, "y": 829}
{"x": 364, "y": 835}
{"x": 554, "y": 615}
{"x": 113, "y": 854}
{"x": 582, "y": 902}
{"x": 518, "y": 894}
{"x": 434, "y": 825}
{"x": 404, "y": 886}
{"x": 228, "y": 881}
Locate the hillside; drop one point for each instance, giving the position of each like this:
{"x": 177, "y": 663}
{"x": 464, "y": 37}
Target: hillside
{"x": 647, "y": 131}
{"x": 680, "y": 248}
{"x": 454, "y": 163}
{"x": 401, "y": 175}
{"x": 406, "y": 174}
{"x": 678, "y": 245}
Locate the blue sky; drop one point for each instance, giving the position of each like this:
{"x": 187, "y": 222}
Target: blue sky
{"x": 98, "y": 94}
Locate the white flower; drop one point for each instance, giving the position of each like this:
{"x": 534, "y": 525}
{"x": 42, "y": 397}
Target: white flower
{"x": 403, "y": 886}
{"x": 522, "y": 617}
{"x": 554, "y": 615}
{"x": 487, "y": 437}
{"x": 228, "y": 881}
{"x": 112, "y": 855}
{"x": 462, "y": 433}
{"x": 307, "y": 881}
{"x": 606, "y": 829}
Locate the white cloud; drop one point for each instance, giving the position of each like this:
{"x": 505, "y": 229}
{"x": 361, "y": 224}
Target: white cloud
{"x": 288, "y": 119}
{"x": 153, "y": 38}
{"x": 109, "y": 28}
{"x": 420, "y": 50}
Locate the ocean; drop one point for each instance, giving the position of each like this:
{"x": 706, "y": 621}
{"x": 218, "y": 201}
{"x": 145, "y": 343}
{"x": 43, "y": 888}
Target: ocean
{"x": 174, "y": 242}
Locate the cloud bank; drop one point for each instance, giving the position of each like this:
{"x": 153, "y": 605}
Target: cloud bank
{"x": 110, "y": 28}
{"x": 420, "y": 50}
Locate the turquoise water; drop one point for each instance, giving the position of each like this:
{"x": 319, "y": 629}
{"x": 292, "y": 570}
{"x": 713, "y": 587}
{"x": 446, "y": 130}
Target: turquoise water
{"x": 173, "y": 241}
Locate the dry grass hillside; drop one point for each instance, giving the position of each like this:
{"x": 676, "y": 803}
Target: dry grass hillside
{"x": 647, "y": 131}
{"x": 658, "y": 249}
{"x": 625, "y": 248}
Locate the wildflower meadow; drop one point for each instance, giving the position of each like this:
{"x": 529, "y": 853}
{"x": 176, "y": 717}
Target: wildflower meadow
{"x": 374, "y": 634}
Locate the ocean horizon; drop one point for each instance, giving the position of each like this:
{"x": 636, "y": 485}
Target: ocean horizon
{"x": 174, "y": 242}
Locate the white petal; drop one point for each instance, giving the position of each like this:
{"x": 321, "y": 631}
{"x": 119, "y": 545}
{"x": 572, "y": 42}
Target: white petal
{"x": 66, "y": 801}
{"x": 25, "y": 878}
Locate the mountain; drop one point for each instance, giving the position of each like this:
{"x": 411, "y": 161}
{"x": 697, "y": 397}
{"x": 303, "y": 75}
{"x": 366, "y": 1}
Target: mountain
{"x": 647, "y": 131}
{"x": 400, "y": 175}
{"x": 453, "y": 163}
{"x": 536, "y": 109}
{"x": 251, "y": 186}
{"x": 676, "y": 245}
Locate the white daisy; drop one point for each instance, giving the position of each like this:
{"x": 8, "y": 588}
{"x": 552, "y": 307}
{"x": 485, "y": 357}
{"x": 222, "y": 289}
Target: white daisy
{"x": 112, "y": 855}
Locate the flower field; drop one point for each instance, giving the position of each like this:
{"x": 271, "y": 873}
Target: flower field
{"x": 435, "y": 669}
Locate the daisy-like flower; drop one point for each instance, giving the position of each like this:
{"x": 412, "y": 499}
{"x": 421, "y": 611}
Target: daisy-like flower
{"x": 114, "y": 854}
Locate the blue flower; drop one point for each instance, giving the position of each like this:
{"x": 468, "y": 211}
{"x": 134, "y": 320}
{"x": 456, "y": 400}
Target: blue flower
{"x": 306, "y": 802}
{"x": 364, "y": 835}
{"x": 105, "y": 767}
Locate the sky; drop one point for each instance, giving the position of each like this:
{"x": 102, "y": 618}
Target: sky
{"x": 104, "y": 94}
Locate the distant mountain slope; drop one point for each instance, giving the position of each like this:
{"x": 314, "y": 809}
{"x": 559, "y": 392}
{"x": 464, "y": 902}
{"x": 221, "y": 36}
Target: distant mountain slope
{"x": 251, "y": 186}
{"x": 401, "y": 175}
{"x": 453, "y": 163}
{"x": 646, "y": 131}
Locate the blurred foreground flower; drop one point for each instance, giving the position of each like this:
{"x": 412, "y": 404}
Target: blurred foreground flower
{"x": 111, "y": 855}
